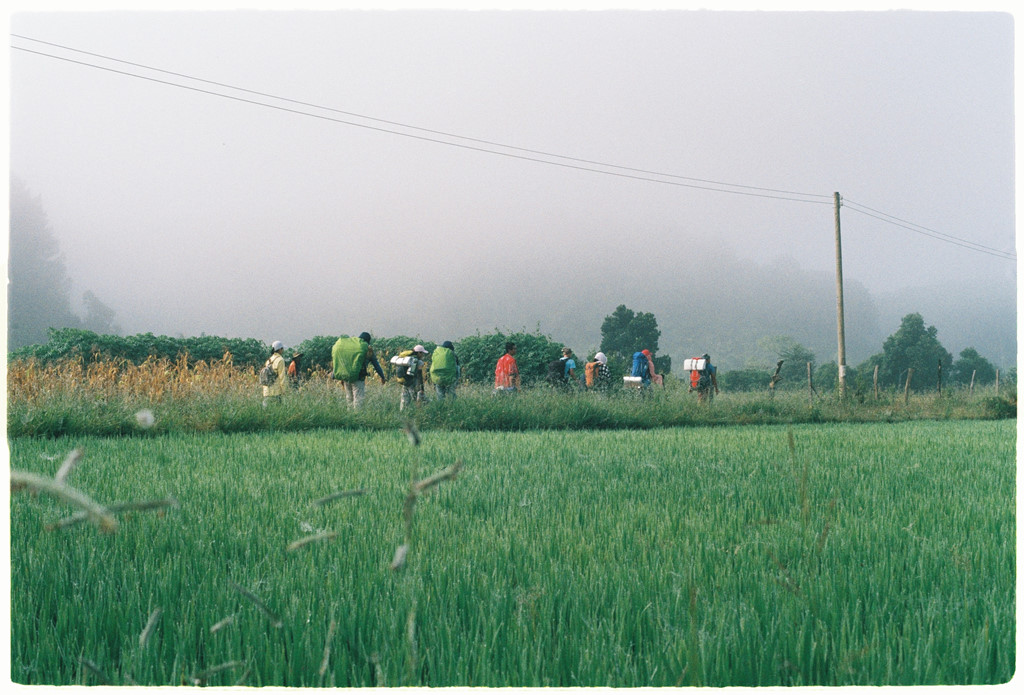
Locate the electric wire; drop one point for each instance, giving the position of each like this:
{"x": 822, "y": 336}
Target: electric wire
{"x": 939, "y": 236}
{"x": 639, "y": 174}
{"x": 412, "y": 127}
{"x": 569, "y": 162}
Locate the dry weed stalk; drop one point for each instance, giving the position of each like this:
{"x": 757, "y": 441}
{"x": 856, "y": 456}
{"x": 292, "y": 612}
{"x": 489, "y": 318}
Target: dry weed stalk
{"x": 275, "y": 621}
{"x": 337, "y": 496}
{"x": 327, "y": 649}
{"x": 221, "y": 624}
{"x": 69, "y": 463}
{"x": 324, "y": 536}
{"x": 96, "y": 670}
{"x": 150, "y": 626}
{"x": 202, "y": 677}
{"x": 95, "y": 512}
{"x": 79, "y": 517}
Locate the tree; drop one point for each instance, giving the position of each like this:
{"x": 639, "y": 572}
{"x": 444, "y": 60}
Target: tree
{"x": 624, "y": 332}
{"x": 39, "y": 293}
{"x": 972, "y": 364}
{"x": 912, "y": 346}
{"x": 98, "y": 316}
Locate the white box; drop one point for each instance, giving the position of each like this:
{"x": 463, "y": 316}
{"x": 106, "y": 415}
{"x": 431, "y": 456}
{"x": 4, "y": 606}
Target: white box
{"x": 694, "y": 363}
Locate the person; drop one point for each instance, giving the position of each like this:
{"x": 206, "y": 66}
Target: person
{"x": 351, "y": 358}
{"x": 445, "y": 370}
{"x": 276, "y": 361}
{"x": 506, "y": 372}
{"x": 411, "y": 375}
{"x": 641, "y": 369}
{"x": 707, "y": 381}
{"x": 570, "y": 367}
{"x": 598, "y": 377}
{"x": 294, "y": 370}
{"x": 655, "y": 377}
{"x": 562, "y": 372}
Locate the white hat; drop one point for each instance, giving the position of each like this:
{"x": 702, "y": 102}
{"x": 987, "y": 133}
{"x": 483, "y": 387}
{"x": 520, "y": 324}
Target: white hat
{"x": 601, "y": 357}
{"x": 419, "y": 348}
{"x": 278, "y": 345}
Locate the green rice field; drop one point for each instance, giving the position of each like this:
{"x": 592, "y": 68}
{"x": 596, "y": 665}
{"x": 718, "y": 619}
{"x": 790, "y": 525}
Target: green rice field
{"x": 759, "y": 555}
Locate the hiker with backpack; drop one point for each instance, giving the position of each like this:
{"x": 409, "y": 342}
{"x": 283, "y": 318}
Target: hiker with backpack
{"x": 350, "y": 358}
{"x": 598, "y": 377}
{"x": 639, "y": 376}
{"x": 703, "y": 377}
{"x": 273, "y": 376}
{"x": 409, "y": 368}
{"x": 562, "y": 372}
{"x": 655, "y": 377}
{"x": 445, "y": 370}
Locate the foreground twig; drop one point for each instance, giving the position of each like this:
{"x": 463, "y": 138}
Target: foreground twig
{"x": 150, "y": 626}
{"x": 201, "y": 678}
{"x": 326, "y": 535}
{"x": 95, "y": 512}
{"x": 147, "y": 505}
{"x": 275, "y": 621}
{"x": 69, "y": 463}
{"x": 337, "y": 496}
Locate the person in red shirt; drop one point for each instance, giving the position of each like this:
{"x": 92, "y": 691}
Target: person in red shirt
{"x": 506, "y": 372}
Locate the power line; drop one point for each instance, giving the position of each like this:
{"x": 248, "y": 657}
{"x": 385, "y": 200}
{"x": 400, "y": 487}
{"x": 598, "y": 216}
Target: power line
{"x": 638, "y": 174}
{"x": 939, "y": 236}
{"x": 568, "y": 162}
{"x": 418, "y": 128}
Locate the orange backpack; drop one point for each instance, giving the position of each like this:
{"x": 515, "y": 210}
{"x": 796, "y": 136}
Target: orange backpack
{"x": 592, "y": 371}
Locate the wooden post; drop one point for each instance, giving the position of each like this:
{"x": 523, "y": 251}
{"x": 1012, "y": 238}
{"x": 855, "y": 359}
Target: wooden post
{"x": 971, "y": 389}
{"x": 939, "y": 382}
{"x": 906, "y": 389}
{"x": 810, "y": 387}
{"x": 876, "y": 382}
{"x": 840, "y": 321}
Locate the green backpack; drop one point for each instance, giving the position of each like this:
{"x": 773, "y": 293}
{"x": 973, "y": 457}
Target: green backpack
{"x": 348, "y": 357}
{"x": 442, "y": 366}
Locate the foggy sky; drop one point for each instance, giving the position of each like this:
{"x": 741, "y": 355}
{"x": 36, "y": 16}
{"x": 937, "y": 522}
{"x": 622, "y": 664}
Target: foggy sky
{"x": 362, "y": 197}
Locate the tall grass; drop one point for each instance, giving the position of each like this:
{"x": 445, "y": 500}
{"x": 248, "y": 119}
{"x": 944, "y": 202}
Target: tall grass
{"x": 875, "y": 554}
{"x": 72, "y": 398}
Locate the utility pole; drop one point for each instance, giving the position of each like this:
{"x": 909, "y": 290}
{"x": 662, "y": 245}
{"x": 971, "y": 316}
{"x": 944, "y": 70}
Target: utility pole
{"x": 840, "y": 321}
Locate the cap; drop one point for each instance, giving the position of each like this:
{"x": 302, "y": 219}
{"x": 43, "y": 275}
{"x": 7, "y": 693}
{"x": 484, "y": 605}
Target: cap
{"x": 419, "y": 348}
{"x": 278, "y": 345}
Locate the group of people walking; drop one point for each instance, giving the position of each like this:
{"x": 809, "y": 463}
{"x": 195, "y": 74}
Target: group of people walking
{"x": 352, "y": 359}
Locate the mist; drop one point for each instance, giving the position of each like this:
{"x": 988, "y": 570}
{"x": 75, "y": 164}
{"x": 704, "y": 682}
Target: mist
{"x": 285, "y": 175}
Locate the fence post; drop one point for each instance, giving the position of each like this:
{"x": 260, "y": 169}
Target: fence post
{"x": 906, "y": 389}
{"x": 876, "y": 382}
{"x": 810, "y": 387}
{"x": 970, "y": 391}
{"x": 939, "y": 382}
